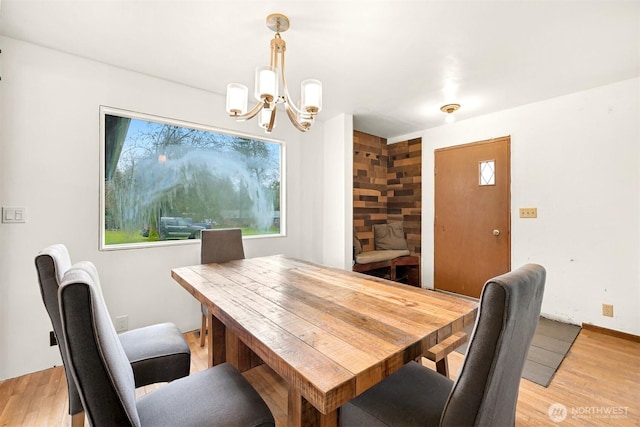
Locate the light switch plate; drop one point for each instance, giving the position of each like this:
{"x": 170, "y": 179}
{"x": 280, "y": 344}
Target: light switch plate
{"x": 14, "y": 215}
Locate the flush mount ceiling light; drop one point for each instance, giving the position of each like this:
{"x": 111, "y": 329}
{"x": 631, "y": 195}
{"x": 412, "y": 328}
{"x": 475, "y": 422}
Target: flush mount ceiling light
{"x": 267, "y": 92}
{"x": 450, "y": 109}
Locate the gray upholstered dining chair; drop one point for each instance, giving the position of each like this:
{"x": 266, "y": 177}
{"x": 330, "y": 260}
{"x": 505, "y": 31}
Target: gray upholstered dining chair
{"x": 218, "y": 246}
{"x": 157, "y": 353}
{"x": 486, "y": 390}
{"x": 218, "y": 396}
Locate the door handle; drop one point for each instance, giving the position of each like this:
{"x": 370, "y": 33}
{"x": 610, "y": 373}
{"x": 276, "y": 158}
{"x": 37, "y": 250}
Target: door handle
{"x": 496, "y": 232}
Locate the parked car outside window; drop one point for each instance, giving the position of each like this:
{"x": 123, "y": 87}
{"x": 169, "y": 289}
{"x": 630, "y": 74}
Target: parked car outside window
{"x": 178, "y": 228}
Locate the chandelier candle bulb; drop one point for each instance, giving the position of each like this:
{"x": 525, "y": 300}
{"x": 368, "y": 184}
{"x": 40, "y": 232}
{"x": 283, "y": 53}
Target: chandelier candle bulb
{"x": 237, "y": 98}
{"x": 266, "y": 84}
{"x": 265, "y": 118}
{"x": 311, "y": 91}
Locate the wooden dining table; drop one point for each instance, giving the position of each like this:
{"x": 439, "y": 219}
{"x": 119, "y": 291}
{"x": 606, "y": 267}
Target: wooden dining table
{"x": 329, "y": 333}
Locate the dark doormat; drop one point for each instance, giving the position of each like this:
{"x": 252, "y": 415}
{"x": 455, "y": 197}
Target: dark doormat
{"x": 549, "y": 346}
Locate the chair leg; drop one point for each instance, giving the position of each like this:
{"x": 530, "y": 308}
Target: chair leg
{"x": 77, "y": 420}
{"x": 203, "y": 330}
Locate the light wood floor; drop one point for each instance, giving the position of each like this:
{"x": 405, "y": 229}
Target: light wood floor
{"x": 600, "y": 375}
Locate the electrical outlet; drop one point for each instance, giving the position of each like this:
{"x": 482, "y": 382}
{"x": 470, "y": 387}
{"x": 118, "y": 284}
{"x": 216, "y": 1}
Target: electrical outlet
{"x": 122, "y": 323}
{"x": 528, "y": 212}
{"x": 607, "y": 310}
{"x": 52, "y": 339}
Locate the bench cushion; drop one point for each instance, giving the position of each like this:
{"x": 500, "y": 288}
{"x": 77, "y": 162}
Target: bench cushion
{"x": 377, "y": 256}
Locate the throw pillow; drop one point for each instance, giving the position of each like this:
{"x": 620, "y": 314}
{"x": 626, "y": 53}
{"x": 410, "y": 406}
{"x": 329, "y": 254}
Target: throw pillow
{"x": 357, "y": 244}
{"x": 389, "y": 236}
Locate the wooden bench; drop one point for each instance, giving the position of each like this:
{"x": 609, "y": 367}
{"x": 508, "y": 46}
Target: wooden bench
{"x": 413, "y": 277}
{"x": 438, "y": 353}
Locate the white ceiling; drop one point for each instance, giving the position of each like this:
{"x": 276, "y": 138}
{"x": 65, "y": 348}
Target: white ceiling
{"x": 391, "y": 64}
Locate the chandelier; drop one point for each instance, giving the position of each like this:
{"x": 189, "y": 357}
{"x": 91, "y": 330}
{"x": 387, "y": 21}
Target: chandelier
{"x": 267, "y": 92}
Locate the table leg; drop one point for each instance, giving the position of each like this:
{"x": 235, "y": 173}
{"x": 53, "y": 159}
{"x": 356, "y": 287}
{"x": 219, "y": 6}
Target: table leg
{"x": 301, "y": 413}
{"x": 442, "y": 366}
{"x": 225, "y": 346}
{"x": 238, "y": 354}
{"x": 217, "y": 341}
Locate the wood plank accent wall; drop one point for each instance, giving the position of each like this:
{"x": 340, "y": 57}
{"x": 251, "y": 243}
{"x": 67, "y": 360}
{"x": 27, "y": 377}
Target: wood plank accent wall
{"x": 404, "y": 189}
{"x": 387, "y": 187}
{"x": 369, "y": 185}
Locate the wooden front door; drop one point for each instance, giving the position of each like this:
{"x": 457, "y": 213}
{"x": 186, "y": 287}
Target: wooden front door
{"x": 472, "y": 228}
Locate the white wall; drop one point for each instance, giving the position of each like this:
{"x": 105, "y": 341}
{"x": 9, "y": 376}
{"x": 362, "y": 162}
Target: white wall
{"x": 577, "y": 159}
{"x": 49, "y": 164}
{"x": 338, "y": 192}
